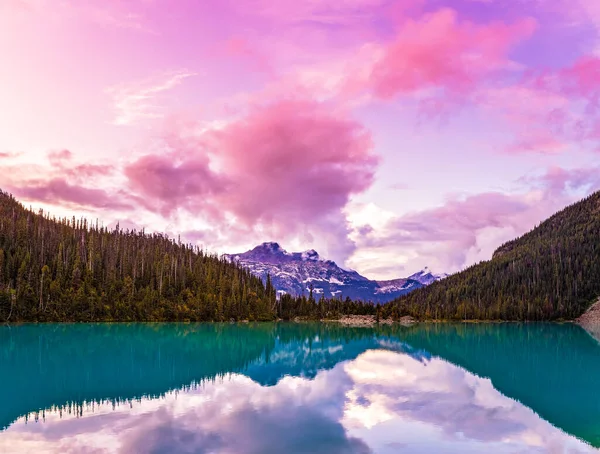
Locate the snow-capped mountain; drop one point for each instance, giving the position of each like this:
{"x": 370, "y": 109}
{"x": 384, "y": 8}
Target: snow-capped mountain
{"x": 297, "y": 272}
{"x": 426, "y": 277}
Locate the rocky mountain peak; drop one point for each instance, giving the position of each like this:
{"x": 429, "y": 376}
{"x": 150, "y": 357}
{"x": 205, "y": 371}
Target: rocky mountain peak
{"x": 426, "y": 277}
{"x": 297, "y": 272}
{"x": 311, "y": 254}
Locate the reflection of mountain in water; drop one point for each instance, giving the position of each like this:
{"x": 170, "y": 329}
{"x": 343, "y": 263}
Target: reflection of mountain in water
{"x": 552, "y": 369}
{"x": 303, "y": 350}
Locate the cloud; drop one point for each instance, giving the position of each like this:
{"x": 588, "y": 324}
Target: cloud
{"x": 57, "y": 158}
{"x": 549, "y": 111}
{"x": 9, "y": 155}
{"x": 435, "y": 58}
{"x": 448, "y": 237}
{"x": 557, "y": 182}
{"x": 283, "y": 426}
{"x": 280, "y": 170}
{"x": 293, "y": 159}
{"x": 310, "y": 11}
{"x": 59, "y": 191}
{"x": 176, "y": 181}
{"x": 140, "y": 101}
{"x": 64, "y": 182}
{"x": 466, "y": 230}
{"x": 460, "y": 406}
{"x": 439, "y": 51}
{"x": 63, "y": 164}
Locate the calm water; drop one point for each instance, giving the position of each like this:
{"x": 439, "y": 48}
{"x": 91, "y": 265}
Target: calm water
{"x": 298, "y": 388}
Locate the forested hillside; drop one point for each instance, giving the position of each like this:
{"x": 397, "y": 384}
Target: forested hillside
{"x": 550, "y": 273}
{"x": 67, "y": 270}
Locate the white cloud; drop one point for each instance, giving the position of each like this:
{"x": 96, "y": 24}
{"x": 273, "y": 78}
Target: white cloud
{"x": 141, "y": 100}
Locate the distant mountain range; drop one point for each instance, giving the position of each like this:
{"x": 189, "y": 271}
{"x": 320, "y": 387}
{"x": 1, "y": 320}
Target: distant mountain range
{"x": 296, "y": 272}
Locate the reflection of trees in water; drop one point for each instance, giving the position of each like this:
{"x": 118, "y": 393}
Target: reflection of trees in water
{"x": 46, "y": 366}
{"x": 552, "y": 369}
{"x": 66, "y": 367}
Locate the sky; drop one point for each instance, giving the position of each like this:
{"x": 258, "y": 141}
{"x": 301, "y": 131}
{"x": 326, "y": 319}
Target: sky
{"x": 387, "y": 135}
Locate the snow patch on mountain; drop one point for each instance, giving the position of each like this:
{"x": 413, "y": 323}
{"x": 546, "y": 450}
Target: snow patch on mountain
{"x": 426, "y": 277}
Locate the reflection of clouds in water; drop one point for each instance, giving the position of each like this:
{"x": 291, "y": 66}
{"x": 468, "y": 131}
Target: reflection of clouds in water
{"x": 235, "y": 415}
{"x": 342, "y": 410}
{"x": 395, "y": 389}
{"x": 280, "y": 429}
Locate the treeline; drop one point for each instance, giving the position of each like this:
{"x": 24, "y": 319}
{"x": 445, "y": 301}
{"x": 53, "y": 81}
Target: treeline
{"x": 552, "y": 272}
{"x": 70, "y": 270}
{"x": 311, "y": 308}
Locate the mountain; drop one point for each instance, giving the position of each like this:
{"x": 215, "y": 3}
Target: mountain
{"x": 552, "y": 272}
{"x": 426, "y": 277}
{"x": 295, "y": 272}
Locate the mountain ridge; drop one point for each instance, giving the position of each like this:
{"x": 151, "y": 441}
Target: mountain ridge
{"x": 296, "y": 272}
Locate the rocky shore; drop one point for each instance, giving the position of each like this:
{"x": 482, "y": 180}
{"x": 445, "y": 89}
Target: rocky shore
{"x": 371, "y": 320}
{"x": 591, "y": 316}
{"x": 590, "y": 320}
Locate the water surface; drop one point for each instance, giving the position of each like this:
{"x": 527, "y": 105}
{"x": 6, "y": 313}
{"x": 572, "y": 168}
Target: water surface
{"x": 298, "y": 388}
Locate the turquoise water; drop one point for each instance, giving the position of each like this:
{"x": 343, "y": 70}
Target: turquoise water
{"x": 298, "y": 388}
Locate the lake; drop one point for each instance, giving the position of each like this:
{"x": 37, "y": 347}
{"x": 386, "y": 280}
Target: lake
{"x": 298, "y": 388}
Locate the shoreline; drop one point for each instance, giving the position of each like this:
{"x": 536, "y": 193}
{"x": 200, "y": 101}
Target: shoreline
{"x": 589, "y": 322}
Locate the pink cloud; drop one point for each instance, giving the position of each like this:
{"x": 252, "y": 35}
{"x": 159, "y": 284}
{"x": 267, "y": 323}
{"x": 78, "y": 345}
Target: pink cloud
{"x": 62, "y": 162}
{"x": 550, "y": 110}
{"x": 58, "y": 158}
{"x": 58, "y": 191}
{"x": 437, "y": 57}
{"x": 543, "y": 143}
{"x": 8, "y": 155}
{"x": 180, "y": 180}
{"x": 440, "y": 51}
{"x": 66, "y": 183}
{"x": 281, "y": 168}
{"x": 557, "y": 181}
{"x": 315, "y": 11}
{"x": 582, "y": 80}
{"x": 293, "y": 157}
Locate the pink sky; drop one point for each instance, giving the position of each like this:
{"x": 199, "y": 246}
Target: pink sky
{"x": 388, "y": 135}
